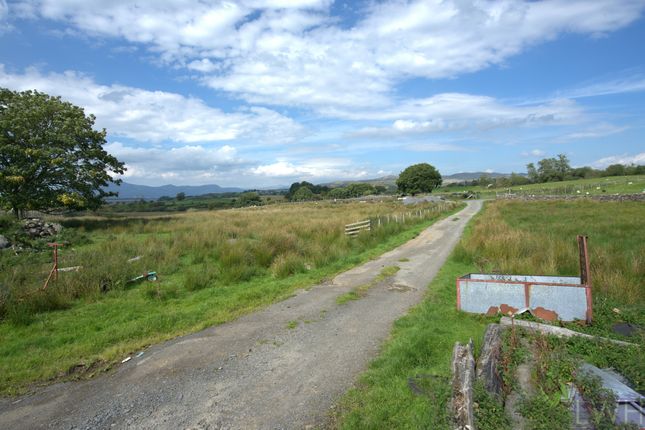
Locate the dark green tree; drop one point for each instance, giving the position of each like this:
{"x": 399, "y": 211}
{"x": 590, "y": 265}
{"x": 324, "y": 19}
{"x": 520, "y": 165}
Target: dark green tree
{"x": 419, "y": 178}
{"x": 516, "y": 179}
{"x": 615, "y": 170}
{"x": 380, "y": 189}
{"x": 50, "y": 155}
{"x": 180, "y": 196}
{"x": 359, "y": 189}
{"x": 339, "y": 193}
{"x": 554, "y": 169}
{"x": 303, "y": 194}
{"x": 532, "y": 173}
{"x": 250, "y": 198}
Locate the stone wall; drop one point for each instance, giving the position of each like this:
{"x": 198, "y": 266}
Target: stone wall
{"x": 597, "y": 197}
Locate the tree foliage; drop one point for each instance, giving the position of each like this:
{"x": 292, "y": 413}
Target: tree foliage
{"x": 50, "y": 154}
{"x": 419, "y": 178}
{"x": 554, "y": 169}
{"x": 302, "y": 194}
{"x": 250, "y": 198}
{"x": 558, "y": 169}
{"x": 315, "y": 189}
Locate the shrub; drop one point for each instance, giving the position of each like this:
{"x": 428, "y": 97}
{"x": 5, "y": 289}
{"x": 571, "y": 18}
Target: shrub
{"x": 287, "y": 264}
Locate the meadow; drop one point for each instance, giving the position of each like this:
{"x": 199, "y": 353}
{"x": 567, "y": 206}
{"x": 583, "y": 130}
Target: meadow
{"x": 212, "y": 266}
{"x": 408, "y": 385}
{"x": 594, "y": 186}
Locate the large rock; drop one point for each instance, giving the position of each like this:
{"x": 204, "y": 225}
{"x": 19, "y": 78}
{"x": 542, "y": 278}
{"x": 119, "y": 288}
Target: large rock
{"x": 4, "y": 242}
{"x": 35, "y": 228}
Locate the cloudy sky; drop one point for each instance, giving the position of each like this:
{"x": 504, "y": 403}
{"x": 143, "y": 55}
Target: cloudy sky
{"x": 257, "y": 93}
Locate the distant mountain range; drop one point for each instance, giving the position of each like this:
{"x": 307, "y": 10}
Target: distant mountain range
{"x": 469, "y": 176}
{"x": 129, "y": 191}
{"x": 385, "y": 181}
{"x": 447, "y": 179}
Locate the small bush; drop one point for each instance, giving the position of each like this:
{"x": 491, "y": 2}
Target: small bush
{"x": 238, "y": 273}
{"x": 158, "y": 291}
{"x": 489, "y": 410}
{"x": 20, "y": 311}
{"x": 546, "y": 412}
{"x": 287, "y": 264}
{"x": 7, "y": 222}
{"x": 201, "y": 277}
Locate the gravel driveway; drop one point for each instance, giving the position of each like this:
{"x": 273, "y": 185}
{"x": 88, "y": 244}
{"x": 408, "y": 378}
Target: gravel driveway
{"x": 282, "y": 367}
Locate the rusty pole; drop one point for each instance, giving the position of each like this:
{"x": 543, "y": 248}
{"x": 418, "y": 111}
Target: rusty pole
{"x": 54, "y": 271}
{"x": 585, "y": 273}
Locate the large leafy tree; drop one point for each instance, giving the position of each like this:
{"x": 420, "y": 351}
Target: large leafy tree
{"x": 50, "y": 155}
{"x": 554, "y": 169}
{"x": 419, "y": 178}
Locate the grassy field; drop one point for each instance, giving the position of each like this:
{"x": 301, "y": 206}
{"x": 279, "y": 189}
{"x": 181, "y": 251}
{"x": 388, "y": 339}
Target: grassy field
{"x": 212, "y": 267}
{"x": 610, "y": 185}
{"x": 407, "y": 386}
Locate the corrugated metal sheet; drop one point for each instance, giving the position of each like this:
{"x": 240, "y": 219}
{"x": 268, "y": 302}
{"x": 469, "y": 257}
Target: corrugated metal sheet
{"x": 563, "y": 295}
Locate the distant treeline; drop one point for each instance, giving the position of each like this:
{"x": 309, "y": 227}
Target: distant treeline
{"x": 554, "y": 170}
{"x": 304, "y": 191}
{"x": 181, "y": 202}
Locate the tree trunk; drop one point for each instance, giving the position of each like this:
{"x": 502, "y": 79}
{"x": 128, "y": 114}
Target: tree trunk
{"x": 18, "y": 212}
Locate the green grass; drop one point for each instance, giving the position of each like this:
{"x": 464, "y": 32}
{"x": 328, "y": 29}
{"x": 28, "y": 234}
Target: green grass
{"x": 595, "y": 186}
{"x": 540, "y": 238}
{"x": 361, "y": 290}
{"x": 408, "y": 387}
{"x": 93, "y": 331}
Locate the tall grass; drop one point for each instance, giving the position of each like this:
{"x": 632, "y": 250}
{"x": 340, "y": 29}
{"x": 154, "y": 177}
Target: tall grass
{"x": 540, "y": 238}
{"x": 206, "y": 249}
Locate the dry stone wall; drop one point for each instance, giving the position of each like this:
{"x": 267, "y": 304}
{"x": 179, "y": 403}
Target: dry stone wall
{"x": 601, "y": 197}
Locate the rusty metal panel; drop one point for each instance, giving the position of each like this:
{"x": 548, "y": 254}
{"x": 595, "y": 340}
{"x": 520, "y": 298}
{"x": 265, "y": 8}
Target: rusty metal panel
{"x": 572, "y": 280}
{"x": 569, "y": 303}
{"x": 548, "y": 297}
{"x": 478, "y": 296}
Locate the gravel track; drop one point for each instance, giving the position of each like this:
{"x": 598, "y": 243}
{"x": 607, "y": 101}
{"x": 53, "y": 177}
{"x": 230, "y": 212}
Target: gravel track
{"x": 259, "y": 371}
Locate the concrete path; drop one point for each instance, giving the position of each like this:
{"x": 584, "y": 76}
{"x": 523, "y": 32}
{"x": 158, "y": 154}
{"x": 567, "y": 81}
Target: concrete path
{"x": 259, "y": 371}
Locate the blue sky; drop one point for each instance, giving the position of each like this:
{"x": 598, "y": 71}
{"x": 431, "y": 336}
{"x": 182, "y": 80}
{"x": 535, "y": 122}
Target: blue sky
{"x": 258, "y": 93}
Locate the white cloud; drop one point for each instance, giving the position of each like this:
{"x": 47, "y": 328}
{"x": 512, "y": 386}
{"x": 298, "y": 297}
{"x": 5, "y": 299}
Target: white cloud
{"x": 4, "y": 16}
{"x": 155, "y": 116}
{"x": 534, "y": 153}
{"x": 628, "y": 84}
{"x": 593, "y": 132}
{"x": 620, "y": 159}
{"x": 321, "y": 168}
{"x": 296, "y": 53}
{"x": 188, "y": 164}
{"x": 204, "y": 65}
{"x": 435, "y": 147}
{"x": 455, "y": 111}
